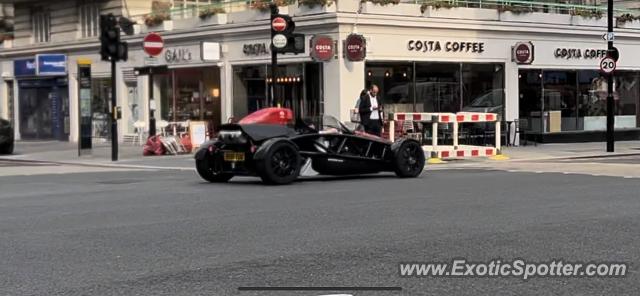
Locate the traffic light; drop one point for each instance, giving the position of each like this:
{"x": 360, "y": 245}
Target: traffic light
{"x": 111, "y": 49}
{"x": 283, "y": 38}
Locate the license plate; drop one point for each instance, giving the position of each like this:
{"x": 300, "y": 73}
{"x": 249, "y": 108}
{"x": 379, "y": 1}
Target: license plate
{"x": 234, "y": 156}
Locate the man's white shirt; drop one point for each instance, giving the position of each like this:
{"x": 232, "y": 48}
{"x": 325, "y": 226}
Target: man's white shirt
{"x": 375, "y": 115}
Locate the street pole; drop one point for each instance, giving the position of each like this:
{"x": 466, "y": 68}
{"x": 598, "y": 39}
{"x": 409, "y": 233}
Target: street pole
{"x": 114, "y": 119}
{"x": 152, "y": 119}
{"x": 610, "y": 104}
{"x": 274, "y": 58}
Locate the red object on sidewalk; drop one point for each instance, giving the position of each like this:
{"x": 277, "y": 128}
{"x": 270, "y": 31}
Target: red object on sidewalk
{"x": 280, "y": 116}
{"x": 185, "y": 140}
{"x": 153, "y": 147}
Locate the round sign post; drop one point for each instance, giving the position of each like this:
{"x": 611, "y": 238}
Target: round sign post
{"x": 279, "y": 24}
{"x": 356, "y": 48}
{"x": 322, "y": 48}
{"x": 153, "y": 44}
{"x": 608, "y": 65}
{"x": 279, "y": 41}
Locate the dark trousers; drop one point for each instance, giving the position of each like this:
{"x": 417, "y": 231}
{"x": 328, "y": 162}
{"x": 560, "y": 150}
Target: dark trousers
{"x": 373, "y": 127}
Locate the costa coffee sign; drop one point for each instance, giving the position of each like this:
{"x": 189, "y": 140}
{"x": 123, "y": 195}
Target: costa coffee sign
{"x": 523, "y": 53}
{"x": 322, "y": 48}
{"x": 355, "y": 48}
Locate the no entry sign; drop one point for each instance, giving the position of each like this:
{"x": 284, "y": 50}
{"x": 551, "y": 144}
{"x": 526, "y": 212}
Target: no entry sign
{"x": 153, "y": 44}
{"x": 279, "y": 24}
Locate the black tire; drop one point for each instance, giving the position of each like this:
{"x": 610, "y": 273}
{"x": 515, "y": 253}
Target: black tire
{"x": 208, "y": 172}
{"x": 6, "y": 148}
{"x": 280, "y": 164}
{"x": 409, "y": 160}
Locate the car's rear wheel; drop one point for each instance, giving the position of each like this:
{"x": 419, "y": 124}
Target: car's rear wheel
{"x": 208, "y": 171}
{"x": 280, "y": 164}
{"x": 6, "y": 148}
{"x": 409, "y": 160}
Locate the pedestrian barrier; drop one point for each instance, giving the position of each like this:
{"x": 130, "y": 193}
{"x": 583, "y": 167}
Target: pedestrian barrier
{"x": 438, "y": 152}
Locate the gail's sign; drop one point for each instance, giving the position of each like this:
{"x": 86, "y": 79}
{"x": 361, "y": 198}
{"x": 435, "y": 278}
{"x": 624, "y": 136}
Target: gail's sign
{"x": 178, "y": 55}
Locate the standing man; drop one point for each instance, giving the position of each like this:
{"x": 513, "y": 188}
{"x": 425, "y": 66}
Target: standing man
{"x": 369, "y": 111}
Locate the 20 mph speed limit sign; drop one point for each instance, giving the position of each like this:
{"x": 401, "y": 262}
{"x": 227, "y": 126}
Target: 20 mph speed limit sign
{"x": 607, "y": 65}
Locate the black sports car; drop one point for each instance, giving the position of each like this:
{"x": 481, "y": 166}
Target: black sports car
{"x": 6, "y": 137}
{"x": 276, "y": 152}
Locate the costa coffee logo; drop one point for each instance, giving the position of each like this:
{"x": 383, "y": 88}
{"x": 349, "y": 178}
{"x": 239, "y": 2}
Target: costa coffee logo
{"x": 523, "y": 53}
{"x": 322, "y": 48}
{"x": 356, "y": 49}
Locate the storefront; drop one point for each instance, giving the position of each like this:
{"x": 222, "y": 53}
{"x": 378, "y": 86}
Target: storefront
{"x": 298, "y": 84}
{"x": 189, "y": 91}
{"x": 560, "y": 104}
{"x": 43, "y": 100}
{"x": 550, "y": 87}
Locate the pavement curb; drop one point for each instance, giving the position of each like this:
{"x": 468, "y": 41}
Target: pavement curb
{"x": 104, "y": 165}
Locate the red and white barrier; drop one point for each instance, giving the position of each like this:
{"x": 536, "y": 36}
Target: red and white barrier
{"x": 451, "y": 151}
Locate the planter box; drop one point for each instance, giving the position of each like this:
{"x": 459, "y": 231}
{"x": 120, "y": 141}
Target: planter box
{"x": 137, "y": 29}
{"x": 250, "y": 15}
{"x": 536, "y": 17}
{"x": 306, "y": 10}
{"x": 165, "y": 26}
{"x": 188, "y": 23}
{"x": 218, "y": 19}
{"x": 347, "y": 5}
{"x": 630, "y": 25}
{"x": 577, "y": 20}
{"x": 403, "y": 9}
{"x": 463, "y": 13}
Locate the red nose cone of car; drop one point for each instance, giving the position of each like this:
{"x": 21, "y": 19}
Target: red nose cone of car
{"x": 281, "y": 116}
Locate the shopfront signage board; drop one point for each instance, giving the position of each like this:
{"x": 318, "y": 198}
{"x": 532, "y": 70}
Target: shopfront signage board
{"x": 51, "y": 65}
{"x": 198, "y": 132}
{"x": 322, "y": 48}
{"x": 523, "y": 53}
{"x": 355, "y": 47}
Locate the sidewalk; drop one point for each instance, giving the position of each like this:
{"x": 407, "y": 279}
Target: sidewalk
{"x": 131, "y": 156}
{"x": 67, "y": 153}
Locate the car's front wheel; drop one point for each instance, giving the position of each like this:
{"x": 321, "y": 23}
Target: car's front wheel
{"x": 280, "y": 164}
{"x": 207, "y": 170}
{"x": 409, "y": 160}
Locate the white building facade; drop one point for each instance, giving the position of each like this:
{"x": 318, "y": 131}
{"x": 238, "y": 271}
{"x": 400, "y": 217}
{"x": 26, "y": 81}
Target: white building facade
{"x": 423, "y": 59}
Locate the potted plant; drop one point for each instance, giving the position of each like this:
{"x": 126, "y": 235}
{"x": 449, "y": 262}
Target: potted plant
{"x": 587, "y": 17}
{"x": 212, "y": 16}
{"x": 160, "y": 17}
{"x": 390, "y": 7}
{"x": 449, "y": 9}
{"x": 259, "y": 10}
{"x": 525, "y": 14}
{"x": 628, "y": 21}
{"x": 307, "y": 7}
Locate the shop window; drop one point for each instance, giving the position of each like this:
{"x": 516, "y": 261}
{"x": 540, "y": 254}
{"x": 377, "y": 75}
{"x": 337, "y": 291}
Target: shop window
{"x": 438, "y": 87}
{"x": 89, "y": 15}
{"x": 576, "y": 100}
{"x": 297, "y": 86}
{"x": 483, "y": 88}
{"x": 41, "y": 26}
{"x": 395, "y": 84}
{"x": 191, "y": 94}
{"x": 560, "y": 100}
{"x": 249, "y": 90}
{"x": 530, "y": 100}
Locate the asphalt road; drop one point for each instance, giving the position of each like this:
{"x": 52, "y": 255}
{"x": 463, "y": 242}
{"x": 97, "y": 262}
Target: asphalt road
{"x": 168, "y": 233}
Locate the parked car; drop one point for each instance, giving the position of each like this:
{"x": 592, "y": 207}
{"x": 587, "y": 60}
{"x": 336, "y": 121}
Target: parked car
{"x": 264, "y": 144}
{"x": 6, "y": 137}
